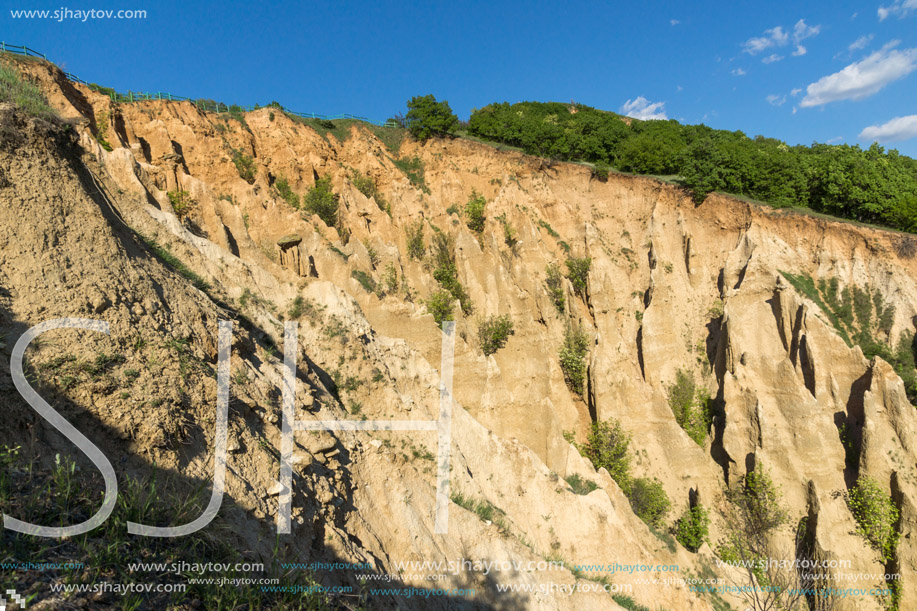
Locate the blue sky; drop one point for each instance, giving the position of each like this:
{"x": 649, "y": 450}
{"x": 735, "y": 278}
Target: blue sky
{"x": 829, "y": 72}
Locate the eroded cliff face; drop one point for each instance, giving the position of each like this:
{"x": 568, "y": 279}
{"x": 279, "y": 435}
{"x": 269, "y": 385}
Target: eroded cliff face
{"x": 672, "y": 286}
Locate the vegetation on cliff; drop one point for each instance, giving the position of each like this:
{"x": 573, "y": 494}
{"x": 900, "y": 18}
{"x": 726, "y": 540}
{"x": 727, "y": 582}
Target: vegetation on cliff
{"x": 871, "y": 185}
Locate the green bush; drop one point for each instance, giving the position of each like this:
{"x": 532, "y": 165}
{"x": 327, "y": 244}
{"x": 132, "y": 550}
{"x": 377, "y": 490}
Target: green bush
{"x": 555, "y": 283}
{"x": 321, "y": 200}
{"x": 439, "y": 304}
{"x": 648, "y": 500}
{"x": 581, "y": 485}
{"x": 578, "y": 274}
{"x": 416, "y": 248}
{"x": 23, "y": 94}
{"x": 494, "y": 332}
{"x": 445, "y": 271}
{"x": 600, "y": 171}
{"x": 427, "y": 118}
{"x": 692, "y": 528}
{"x": 474, "y": 211}
{"x": 282, "y": 185}
{"x": 573, "y": 358}
{"x": 245, "y": 165}
{"x": 691, "y": 406}
{"x": 876, "y": 515}
{"x": 607, "y": 447}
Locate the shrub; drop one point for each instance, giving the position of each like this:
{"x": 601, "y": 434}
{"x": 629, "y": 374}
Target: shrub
{"x": 692, "y": 528}
{"x": 181, "y": 203}
{"x": 581, "y": 485}
{"x": 573, "y": 358}
{"x": 416, "y": 248}
{"x": 606, "y": 447}
{"x": 494, "y": 332}
{"x": 390, "y": 278}
{"x": 578, "y": 273}
{"x": 648, "y": 500}
{"x": 445, "y": 271}
{"x": 757, "y": 501}
{"x": 509, "y": 234}
{"x": 474, "y": 210}
{"x": 691, "y": 406}
{"x": 555, "y": 284}
{"x": 440, "y": 306}
{"x": 321, "y": 200}
{"x": 600, "y": 171}
{"x": 245, "y": 165}
{"x": 427, "y": 118}
{"x": 876, "y": 515}
{"x": 282, "y": 185}
{"x": 23, "y": 94}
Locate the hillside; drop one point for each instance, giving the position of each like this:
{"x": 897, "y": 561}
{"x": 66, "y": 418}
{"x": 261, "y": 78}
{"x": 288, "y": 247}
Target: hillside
{"x": 194, "y": 217}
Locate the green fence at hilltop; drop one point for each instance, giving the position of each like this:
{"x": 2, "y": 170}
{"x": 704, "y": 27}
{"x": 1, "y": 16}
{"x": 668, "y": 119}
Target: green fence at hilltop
{"x": 206, "y": 105}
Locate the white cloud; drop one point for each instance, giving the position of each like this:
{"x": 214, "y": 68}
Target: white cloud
{"x": 899, "y": 128}
{"x": 833, "y": 140}
{"x": 801, "y": 31}
{"x": 674, "y": 22}
{"x": 678, "y": 88}
{"x": 643, "y": 109}
{"x": 795, "y": 92}
{"x": 777, "y": 37}
{"x": 860, "y": 43}
{"x": 776, "y": 100}
{"x": 898, "y": 7}
{"x": 738, "y": 72}
{"x": 863, "y": 78}
{"x": 774, "y": 37}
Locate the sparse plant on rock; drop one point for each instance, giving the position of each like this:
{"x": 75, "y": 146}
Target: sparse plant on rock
{"x": 494, "y": 332}
{"x": 875, "y": 514}
{"x": 573, "y": 358}
{"x": 578, "y": 274}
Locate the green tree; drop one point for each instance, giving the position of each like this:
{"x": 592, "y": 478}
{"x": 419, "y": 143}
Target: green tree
{"x": 427, "y": 118}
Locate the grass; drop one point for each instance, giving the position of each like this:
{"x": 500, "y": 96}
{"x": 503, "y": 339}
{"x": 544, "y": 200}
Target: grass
{"x": 413, "y": 168}
{"x": 581, "y": 485}
{"x": 365, "y": 280}
{"x": 166, "y": 256}
{"x": 62, "y": 494}
{"x": 23, "y": 94}
{"x": 484, "y": 509}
